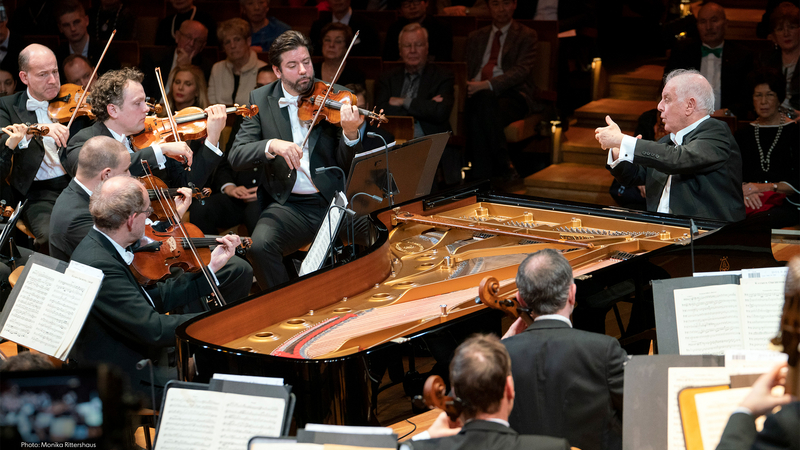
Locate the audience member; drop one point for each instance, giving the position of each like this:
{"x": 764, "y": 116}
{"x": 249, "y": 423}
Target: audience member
{"x": 569, "y": 381}
{"x": 501, "y": 59}
{"x": 78, "y": 70}
{"x": 128, "y": 323}
{"x": 265, "y": 29}
{"x": 265, "y": 76}
{"x": 697, "y": 170}
{"x": 118, "y": 103}
{"x": 462, "y": 8}
{"x": 233, "y": 78}
{"x": 418, "y": 89}
{"x": 763, "y": 29}
{"x": 35, "y": 15}
{"x": 73, "y": 24}
{"x": 367, "y": 142}
{"x": 336, "y": 38}
{"x": 188, "y": 88}
{"x": 785, "y": 32}
{"x": 167, "y": 31}
{"x": 293, "y": 197}
{"x": 770, "y": 153}
{"x": 481, "y": 376}
{"x": 10, "y": 47}
{"x": 27, "y": 361}
{"x": 110, "y": 15}
{"x": 724, "y": 64}
{"x": 37, "y": 173}
{"x": 415, "y": 11}
{"x": 190, "y": 40}
{"x": 8, "y": 85}
{"x": 368, "y": 42}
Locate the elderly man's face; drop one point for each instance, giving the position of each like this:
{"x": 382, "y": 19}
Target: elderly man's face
{"x": 413, "y": 49}
{"x": 711, "y": 25}
{"x": 191, "y": 38}
{"x": 413, "y": 9}
{"x": 672, "y": 109}
{"x": 255, "y": 10}
{"x": 502, "y": 11}
{"x": 42, "y": 75}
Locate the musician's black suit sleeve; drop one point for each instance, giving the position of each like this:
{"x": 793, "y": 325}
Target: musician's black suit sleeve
{"x": 70, "y": 157}
{"x": 781, "y": 431}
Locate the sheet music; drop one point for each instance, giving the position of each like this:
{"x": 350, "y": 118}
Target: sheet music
{"x": 713, "y": 411}
{"x": 199, "y": 419}
{"x": 681, "y": 378}
{"x": 763, "y": 300}
{"x": 348, "y": 429}
{"x": 319, "y": 248}
{"x": 748, "y": 361}
{"x": 708, "y": 319}
{"x": 270, "y": 381}
{"x": 50, "y": 309}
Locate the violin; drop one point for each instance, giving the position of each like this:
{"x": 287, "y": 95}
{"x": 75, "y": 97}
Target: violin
{"x": 66, "y": 104}
{"x": 434, "y": 395}
{"x": 191, "y": 124}
{"x": 157, "y": 188}
{"x": 331, "y": 106}
{"x": 491, "y": 295}
{"x": 161, "y": 250}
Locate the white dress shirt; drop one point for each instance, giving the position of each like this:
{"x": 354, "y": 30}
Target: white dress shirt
{"x": 554, "y": 317}
{"x": 711, "y": 68}
{"x": 51, "y": 163}
{"x": 345, "y": 18}
{"x": 626, "y": 154}
{"x": 497, "y": 70}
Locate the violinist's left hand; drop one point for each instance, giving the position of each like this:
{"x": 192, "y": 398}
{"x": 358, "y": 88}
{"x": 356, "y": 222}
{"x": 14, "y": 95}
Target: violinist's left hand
{"x": 224, "y": 251}
{"x": 215, "y": 122}
{"x": 351, "y": 120}
{"x": 183, "y": 201}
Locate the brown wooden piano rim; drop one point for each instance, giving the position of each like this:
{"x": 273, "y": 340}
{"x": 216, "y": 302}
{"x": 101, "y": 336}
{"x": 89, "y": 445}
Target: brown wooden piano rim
{"x": 297, "y": 299}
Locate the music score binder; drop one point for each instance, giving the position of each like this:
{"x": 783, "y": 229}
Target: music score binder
{"x": 221, "y": 415}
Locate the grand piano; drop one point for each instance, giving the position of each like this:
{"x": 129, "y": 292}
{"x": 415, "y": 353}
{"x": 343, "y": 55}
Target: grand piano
{"x": 329, "y": 334}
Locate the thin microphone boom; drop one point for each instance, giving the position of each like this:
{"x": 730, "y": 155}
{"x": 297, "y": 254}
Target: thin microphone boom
{"x": 388, "y": 173}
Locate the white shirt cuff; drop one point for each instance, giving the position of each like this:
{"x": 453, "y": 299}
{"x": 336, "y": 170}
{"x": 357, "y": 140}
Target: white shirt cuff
{"x": 625, "y": 152}
{"x": 422, "y": 436}
{"x": 266, "y": 150}
{"x": 213, "y": 147}
{"x": 348, "y": 141}
{"x": 23, "y": 143}
{"x": 743, "y": 410}
{"x": 222, "y": 189}
{"x": 160, "y": 158}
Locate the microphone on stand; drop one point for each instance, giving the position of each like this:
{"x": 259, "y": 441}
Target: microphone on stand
{"x": 352, "y": 221}
{"x": 388, "y": 173}
{"x": 139, "y": 366}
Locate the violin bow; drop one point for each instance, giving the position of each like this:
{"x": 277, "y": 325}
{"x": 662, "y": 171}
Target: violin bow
{"x": 94, "y": 72}
{"x": 168, "y": 110}
{"x": 175, "y": 220}
{"x": 327, "y": 92}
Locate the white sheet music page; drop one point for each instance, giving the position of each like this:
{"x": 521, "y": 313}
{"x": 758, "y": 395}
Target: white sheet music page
{"x": 319, "y": 248}
{"x": 681, "y": 378}
{"x": 708, "y": 319}
{"x": 713, "y": 411}
{"x": 195, "y": 419}
{"x": 763, "y": 300}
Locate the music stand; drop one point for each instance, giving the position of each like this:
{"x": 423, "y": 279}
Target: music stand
{"x": 413, "y": 165}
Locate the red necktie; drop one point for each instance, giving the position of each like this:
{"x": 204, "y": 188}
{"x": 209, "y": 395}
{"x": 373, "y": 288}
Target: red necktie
{"x": 486, "y": 72}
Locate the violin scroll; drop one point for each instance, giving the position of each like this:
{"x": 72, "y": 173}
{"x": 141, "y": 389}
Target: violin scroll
{"x": 435, "y": 396}
{"x": 504, "y": 299}
{"x": 38, "y": 130}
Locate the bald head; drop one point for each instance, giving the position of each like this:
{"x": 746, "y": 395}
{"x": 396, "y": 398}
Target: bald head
{"x": 102, "y": 157}
{"x": 191, "y": 37}
{"x": 711, "y": 24}
{"x": 115, "y": 200}
{"x": 689, "y": 84}
{"x": 33, "y": 51}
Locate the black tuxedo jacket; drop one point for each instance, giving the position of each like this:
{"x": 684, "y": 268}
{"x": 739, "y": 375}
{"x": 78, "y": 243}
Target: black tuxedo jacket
{"x": 737, "y": 62}
{"x": 203, "y": 161}
{"x": 781, "y": 431}
{"x": 434, "y": 117}
{"x": 369, "y": 43}
{"x": 70, "y": 221}
{"x": 568, "y": 383}
{"x": 487, "y": 435}
{"x": 326, "y": 146}
{"x": 123, "y": 327}
{"x": 706, "y": 173}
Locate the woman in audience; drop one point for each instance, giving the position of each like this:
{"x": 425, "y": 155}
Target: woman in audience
{"x": 188, "y": 89}
{"x": 233, "y": 78}
{"x": 785, "y": 32}
{"x": 336, "y": 38}
{"x": 770, "y": 154}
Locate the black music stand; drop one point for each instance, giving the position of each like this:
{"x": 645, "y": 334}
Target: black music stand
{"x": 413, "y": 166}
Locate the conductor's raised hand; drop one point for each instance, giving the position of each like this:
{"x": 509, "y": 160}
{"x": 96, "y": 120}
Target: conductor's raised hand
{"x": 224, "y": 251}
{"x": 178, "y": 151}
{"x": 290, "y": 151}
{"x": 351, "y": 120}
{"x": 609, "y": 136}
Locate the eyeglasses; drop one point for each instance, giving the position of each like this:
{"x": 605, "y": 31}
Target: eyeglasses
{"x": 147, "y": 212}
{"x": 414, "y": 45}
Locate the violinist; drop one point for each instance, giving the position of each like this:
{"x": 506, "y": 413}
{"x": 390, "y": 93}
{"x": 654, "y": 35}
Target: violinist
{"x": 293, "y": 202}
{"x": 37, "y": 171}
{"x": 118, "y": 101}
{"x": 128, "y": 323}
{"x": 480, "y": 373}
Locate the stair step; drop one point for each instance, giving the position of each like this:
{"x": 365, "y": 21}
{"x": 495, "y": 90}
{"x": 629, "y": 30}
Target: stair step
{"x": 742, "y": 22}
{"x": 571, "y": 182}
{"x": 643, "y": 83}
{"x": 624, "y": 112}
{"x": 579, "y": 146}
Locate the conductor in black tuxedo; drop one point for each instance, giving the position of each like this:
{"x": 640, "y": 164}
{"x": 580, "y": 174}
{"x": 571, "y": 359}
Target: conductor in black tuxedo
{"x": 696, "y": 170}
{"x": 36, "y": 172}
{"x": 294, "y": 197}
{"x": 480, "y": 373}
{"x": 127, "y": 323}
{"x": 569, "y": 382}
{"x": 725, "y": 64}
